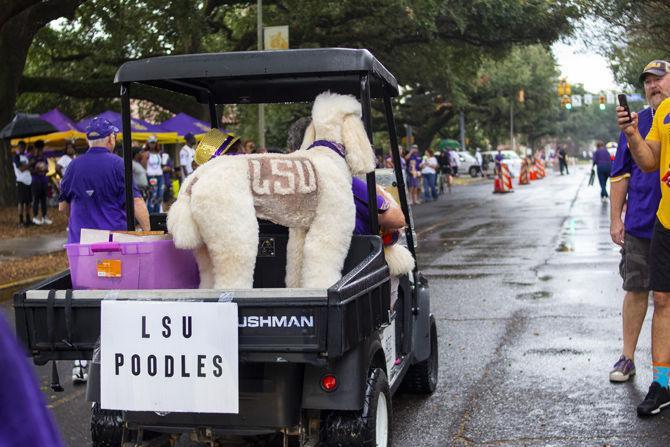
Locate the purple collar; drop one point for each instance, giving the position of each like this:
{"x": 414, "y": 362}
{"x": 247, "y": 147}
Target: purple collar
{"x": 338, "y": 148}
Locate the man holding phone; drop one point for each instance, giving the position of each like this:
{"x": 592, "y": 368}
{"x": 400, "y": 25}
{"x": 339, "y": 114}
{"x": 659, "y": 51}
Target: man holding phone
{"x": 650, "y": 155}
{"x": 642, "y": 193}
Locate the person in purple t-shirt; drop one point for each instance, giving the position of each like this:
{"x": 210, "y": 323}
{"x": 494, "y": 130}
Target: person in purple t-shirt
{"x": 93, "y": 188}
{"x": 641, "y": 192}
{"x": 391, "y": 217}
{"x": 26, "y": 421}
{"x": 39, "y": 165}
{"x": 603, "y": 163}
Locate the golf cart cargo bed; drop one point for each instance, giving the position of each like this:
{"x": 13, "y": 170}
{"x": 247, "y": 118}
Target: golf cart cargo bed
{"x": 304, "y": 325}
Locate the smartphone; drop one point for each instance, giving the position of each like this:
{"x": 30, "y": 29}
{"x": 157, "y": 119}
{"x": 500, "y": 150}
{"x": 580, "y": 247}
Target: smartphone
{"x": 623, "y": 102}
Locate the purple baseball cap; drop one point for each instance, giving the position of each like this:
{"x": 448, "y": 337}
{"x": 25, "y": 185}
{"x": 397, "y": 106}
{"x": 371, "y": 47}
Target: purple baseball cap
{"x": 99, "y": 128}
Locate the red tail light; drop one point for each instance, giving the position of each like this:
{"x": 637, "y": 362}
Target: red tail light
{"x": 329, "y": 383}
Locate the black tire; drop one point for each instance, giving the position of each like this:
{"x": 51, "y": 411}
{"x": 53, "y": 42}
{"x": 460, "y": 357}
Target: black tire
{"x": 474, "y": 171}
{"x": 359, "y": 428}
{"x": 421, "y": 378}
{"x": 106, "y": 427}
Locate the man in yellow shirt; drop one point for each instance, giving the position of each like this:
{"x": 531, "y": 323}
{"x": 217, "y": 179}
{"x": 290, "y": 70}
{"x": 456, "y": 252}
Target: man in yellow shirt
{"x": 652, "y": 154}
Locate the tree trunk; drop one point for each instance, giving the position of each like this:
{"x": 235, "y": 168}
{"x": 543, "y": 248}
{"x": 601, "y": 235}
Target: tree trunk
{"x": 428, "y": 130}
{"x": 19, "y": 22}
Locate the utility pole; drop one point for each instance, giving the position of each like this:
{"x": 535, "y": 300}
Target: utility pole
{"x": 261, "y": 107}
{"x": 511, "y": 124}
{"x": 462, "y": 124}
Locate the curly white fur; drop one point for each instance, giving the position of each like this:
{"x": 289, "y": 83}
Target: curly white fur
{"x": 216, "y": 213}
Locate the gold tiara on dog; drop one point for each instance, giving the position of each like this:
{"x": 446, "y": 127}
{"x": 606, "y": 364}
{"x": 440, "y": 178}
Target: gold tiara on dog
{"x": 213, "y": 144}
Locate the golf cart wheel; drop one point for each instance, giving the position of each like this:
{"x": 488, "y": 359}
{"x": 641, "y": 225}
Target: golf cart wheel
{"x": 421, "y": 378}
{"x": 106, "y": 427}
{"x": 474, "y": 171}
{"x": 368, "y": 427}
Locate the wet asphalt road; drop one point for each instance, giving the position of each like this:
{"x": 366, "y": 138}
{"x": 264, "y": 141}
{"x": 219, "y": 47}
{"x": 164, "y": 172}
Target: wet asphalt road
{"x": 527, "y": 299}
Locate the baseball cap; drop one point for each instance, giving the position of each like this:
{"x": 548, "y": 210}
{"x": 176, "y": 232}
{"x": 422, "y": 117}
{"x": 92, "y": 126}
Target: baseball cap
{"x": 152, "y": 139}
{"x": 656, "y": 67}
{"x": 99, "y": 128}
{"x": 189, "y": 137}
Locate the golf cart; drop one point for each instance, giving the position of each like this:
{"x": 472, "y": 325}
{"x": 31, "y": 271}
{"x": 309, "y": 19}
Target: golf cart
{"x": 312, "y": 366}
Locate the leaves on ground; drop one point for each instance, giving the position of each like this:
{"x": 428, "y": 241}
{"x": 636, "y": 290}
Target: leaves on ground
{"x": 20, "y": 269}
{"x": 9, "y": 224}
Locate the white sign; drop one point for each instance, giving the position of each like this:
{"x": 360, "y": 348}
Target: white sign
{"x": 275, "y": 37}
{"x": 388, "y": 343}
{"x": 611, "y": 98}
{"x": 588, "y": 99}
{"x": 576, "y": 101}
{"x": 169, "y": 356}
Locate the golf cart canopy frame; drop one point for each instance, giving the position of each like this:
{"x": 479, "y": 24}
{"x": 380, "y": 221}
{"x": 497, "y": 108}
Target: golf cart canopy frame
{"x": 252, "y": 77}
{"x": 255, "y": 77}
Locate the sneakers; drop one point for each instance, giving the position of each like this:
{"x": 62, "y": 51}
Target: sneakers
{"x": 623, "y": 370}
{"x": 80, "y": 371}
{"x": 657, "y": 399}
{"x": 37, "y": 221}
{"x": 47, "y": 221}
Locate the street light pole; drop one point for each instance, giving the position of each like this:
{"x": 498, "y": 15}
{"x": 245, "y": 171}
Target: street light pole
{"x": 261, "y": 107}
{"x": 462, "y": 125}
{"x": 511, "y": 123}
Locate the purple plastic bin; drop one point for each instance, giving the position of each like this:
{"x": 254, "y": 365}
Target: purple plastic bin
{"x": 144, "y": 265}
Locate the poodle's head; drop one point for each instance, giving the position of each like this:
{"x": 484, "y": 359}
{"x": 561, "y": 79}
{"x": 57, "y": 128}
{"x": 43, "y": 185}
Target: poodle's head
{"x": 337, "y": 118}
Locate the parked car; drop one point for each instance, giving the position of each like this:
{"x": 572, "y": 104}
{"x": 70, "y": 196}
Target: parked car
{"x": 468, "y": 163}
{"x": 510, "y": 158}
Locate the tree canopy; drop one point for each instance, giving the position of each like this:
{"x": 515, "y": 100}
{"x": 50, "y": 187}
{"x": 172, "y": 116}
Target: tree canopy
{"x": 438, "y": 50}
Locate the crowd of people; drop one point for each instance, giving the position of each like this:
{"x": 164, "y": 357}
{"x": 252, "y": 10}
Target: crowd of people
{"x": 429, "y": 174}
{"x": 32, "y": 184}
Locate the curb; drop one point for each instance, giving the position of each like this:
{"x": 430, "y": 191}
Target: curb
{"x": 22, "y": 282}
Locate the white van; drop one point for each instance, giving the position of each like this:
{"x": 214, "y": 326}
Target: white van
{"x": 510, "y": 158}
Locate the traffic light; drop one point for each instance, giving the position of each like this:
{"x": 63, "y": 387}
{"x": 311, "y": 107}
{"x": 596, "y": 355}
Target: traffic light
{"x": 568, "y": 90}
{"x": 521, "y": 96}
{"x": 566, "y": 102}
{"x": 601, "y": 101}
{"x": 561, "y": 88}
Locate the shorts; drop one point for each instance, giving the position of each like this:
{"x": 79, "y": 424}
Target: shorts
{"x": 660, "y": 258}
{"x": 634, "y": 265}
{"x": 23, "y": 193}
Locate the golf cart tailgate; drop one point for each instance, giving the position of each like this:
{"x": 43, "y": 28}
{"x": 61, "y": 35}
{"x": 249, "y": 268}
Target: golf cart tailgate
{"x": 270, "y": 320}
{"x": 298, "y": 323}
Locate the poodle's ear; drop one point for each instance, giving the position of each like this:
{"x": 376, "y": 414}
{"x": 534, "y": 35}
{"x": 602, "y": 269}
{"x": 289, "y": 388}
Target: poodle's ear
{"x": 310, "y": 136}
{"x": 359, "y": 154}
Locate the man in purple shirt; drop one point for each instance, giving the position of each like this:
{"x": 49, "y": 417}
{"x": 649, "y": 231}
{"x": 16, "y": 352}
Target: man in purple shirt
{"x": 603, "y": 163}
{"x": 391, "y": 217}
{"x": 641, "y": 192}
{"x": 93, "y": 188}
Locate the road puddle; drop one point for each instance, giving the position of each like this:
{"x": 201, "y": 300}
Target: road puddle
{"x": 554, "y": 351}
{"x": 456, "y": 275}
{"x": 539, "y": 295}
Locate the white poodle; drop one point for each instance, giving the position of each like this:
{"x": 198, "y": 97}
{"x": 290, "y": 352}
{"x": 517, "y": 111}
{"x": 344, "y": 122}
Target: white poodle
{"x": 308, "y": 191}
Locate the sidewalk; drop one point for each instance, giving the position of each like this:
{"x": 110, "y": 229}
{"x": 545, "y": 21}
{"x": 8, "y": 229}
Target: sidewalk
{"x": 25, "y": 247}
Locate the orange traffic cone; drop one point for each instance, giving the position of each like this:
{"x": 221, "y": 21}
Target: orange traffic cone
{"x": 523, "y": 173}
{"x": 540, "y": 169}
{"x": 502, "y": 182}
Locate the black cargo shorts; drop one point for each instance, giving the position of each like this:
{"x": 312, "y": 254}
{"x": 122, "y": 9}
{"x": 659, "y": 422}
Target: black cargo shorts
{"x": 660, "y": 258}
{"x": 635, "y": 263}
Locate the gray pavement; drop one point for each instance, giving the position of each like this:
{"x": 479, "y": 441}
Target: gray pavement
{"x": 24, "y": 247}
{"x": 527, "y": 297}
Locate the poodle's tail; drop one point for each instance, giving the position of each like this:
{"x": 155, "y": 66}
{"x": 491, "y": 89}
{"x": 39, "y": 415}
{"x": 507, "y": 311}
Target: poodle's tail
{"x": 180, "y": 223}
{"x": 399, "y": 259}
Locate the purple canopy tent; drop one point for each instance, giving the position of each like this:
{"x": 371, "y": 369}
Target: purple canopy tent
{"x": 183, "y": 123}
{"x": 60, "y": 121}
{"x": 141, "y": 129}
